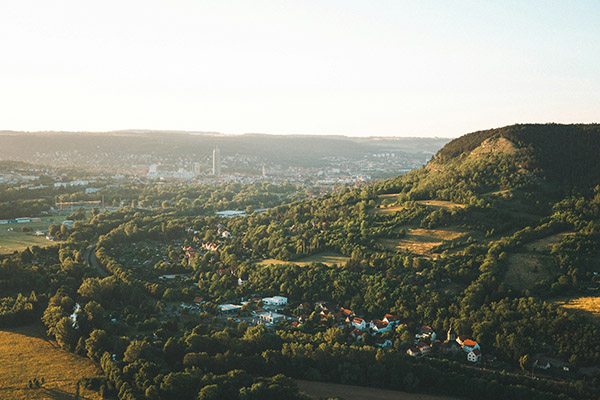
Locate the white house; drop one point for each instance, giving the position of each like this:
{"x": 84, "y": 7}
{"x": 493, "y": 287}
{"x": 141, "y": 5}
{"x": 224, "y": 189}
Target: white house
{"x": 359, "y": 323}
{"x": 469, "y": 345}
{"x": 474, "y": 356}
{"x": 268, "y": 317}
{"x": 275, "y": 301}
{"x": 378, "y": 326}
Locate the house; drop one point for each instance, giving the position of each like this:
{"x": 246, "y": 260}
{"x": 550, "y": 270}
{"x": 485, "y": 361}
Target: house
{"x": 198, "y": 300}
{"x": 413, "y": 352}
{"x": 242, "y": 282}
{"x": 470, "y": 345}
{"x": 379, "y": 326}
{"x": 384, "y": 343}
{"x": 228, "y": 308}
{"x": 425, "y": 332}
{"x": 359, "y": 323}
{"x": 268, "y": 317}
{"x": 391, "y": 319}
{"x": 275, "y": 301}
{"x": 346, "y": 312}
{"x": 424, "y": 348}
{"x": 474, "y": 355}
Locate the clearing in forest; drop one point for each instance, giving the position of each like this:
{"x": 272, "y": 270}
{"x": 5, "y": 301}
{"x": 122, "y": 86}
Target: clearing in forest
{"x": 328, "y": 258}
{"x": 545, "y": 244}
{"x": 589, "y": 306}
{"x": 421, "y": 241}
{"x": 386, "y": 204}
{"x": 437, "y": 204}
{"x": 25, "y": 354}
{"x": 525, "y": 270}
{"x": 322, "y": 390}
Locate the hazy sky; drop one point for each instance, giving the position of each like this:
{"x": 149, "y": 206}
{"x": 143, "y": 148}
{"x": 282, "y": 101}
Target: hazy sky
{"x": 360, "y": 68}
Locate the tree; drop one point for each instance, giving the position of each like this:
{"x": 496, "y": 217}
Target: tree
{"x": 137, "y": 350}
{"x": 65, "y": 334}
{"x": 97, "y": 344}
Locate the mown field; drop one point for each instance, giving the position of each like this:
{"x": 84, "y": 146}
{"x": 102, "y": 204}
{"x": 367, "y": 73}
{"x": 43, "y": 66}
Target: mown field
{"x": 25, "y": 354}
{"x": 327, "y": 258}
{"x": 322, "y": 390}
{"x": 16, "y": 239}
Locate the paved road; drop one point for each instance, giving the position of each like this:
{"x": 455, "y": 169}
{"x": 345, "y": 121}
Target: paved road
{"x": 90, "y": 258}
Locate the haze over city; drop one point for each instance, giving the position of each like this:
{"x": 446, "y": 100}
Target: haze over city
{"x": 357, "y": 68}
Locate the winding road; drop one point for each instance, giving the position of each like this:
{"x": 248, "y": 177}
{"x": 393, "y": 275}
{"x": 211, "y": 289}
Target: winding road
{"x": 92, "y": 260}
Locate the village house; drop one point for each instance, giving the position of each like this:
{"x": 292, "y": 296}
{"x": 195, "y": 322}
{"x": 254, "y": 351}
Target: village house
{"x": 359, "y": 323}
{"x": 413, "y": 352}
{"x": 268, "y": 317}
{"x": 277, "y": 301}
{"x": 469, "y": 345}
{"x": 378, "y": 326}
{"x": 425, "y": 332}
{"x": 474, "y": 356}
{"x": 424, "y": 348}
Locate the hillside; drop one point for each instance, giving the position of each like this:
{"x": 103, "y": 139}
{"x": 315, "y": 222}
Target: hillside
{"x": 484, "y": 243}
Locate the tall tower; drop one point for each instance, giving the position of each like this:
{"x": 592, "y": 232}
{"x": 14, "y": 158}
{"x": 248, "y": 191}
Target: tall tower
{"x": 216, "y": 161}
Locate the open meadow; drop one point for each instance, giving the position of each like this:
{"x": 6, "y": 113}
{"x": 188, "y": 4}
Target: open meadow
{"x": 26, "y": 354}
{"x": 328, "y": 258}
{"x": 13, "y": 238}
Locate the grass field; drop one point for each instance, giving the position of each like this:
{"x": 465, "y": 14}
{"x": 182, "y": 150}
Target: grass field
{"x": 439, "y": 204}
{"x": 525, "y": 269}
{"x": 327, "y": 258}
{"x": 19, "y": 240}
{"x": 421, "y": 241}
{"x": 25, "y": 354}
{"x": 589, "y": 306}
{"x": 324, "y": 390}
{"x": 545, "y": 244}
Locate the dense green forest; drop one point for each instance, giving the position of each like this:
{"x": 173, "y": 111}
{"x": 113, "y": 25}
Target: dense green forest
{"x": 515, "y": 200}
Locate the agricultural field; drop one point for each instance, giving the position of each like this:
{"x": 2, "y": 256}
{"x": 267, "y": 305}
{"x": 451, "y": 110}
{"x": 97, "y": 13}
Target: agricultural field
{"x": 421, "y": 241}
{"x": 322, "y": 390}
{"x": 386, "y": 204}
{"x": 524, "y": 270}
{"x": 589, "y": 306}
{"x": 328, "y": 258}
{"x": 13, "y": 238}
{"x": 25, "y": 354}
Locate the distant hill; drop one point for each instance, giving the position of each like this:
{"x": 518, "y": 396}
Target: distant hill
{"x": 568, "y": 154}
{"x": 288, "y": 150}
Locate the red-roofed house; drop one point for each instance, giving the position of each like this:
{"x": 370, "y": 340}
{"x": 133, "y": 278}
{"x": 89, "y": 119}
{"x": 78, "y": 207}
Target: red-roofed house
{"x": 379, "y": 326}
{"x": 470, "y": 345}
{"x": 359, "y": 323}
{"x": 391, "y": 319}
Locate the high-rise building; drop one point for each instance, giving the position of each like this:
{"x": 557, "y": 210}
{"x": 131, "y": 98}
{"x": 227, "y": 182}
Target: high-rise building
{"x": 216, "y": 161}
{"x": 197, "y": 168}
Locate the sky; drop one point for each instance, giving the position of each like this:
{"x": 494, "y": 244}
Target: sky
{"x": 356, "y": 68}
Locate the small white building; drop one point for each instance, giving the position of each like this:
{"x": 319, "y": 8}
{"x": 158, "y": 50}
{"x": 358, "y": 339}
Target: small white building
{"x": 359, "y": 323}
{"x": 474, "y": 355}
{"x": 268, "y": 317}
{"x": 275, "y": 301}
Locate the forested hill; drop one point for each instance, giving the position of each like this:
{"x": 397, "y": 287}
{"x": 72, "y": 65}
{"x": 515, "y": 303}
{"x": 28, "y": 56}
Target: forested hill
{"x": 567, "y": 154}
